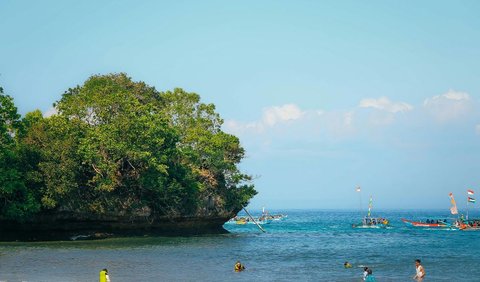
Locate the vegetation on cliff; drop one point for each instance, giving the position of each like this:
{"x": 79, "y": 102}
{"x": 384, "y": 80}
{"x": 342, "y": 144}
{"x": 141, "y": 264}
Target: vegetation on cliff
{"x": 119, "y": 147}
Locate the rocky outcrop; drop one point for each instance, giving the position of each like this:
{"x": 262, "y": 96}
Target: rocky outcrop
{"x": 69, "y": 226}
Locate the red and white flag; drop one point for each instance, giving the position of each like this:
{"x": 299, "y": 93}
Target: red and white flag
{"x": 470, "y": 192}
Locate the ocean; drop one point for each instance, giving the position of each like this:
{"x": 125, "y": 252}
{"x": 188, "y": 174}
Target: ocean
{"x": 309, "y": 245}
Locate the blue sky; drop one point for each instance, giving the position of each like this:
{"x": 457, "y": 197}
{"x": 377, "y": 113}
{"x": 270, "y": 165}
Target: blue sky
{"x": 325, "y": 95}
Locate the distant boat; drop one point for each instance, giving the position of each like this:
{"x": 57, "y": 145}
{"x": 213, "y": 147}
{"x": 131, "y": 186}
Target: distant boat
{"x": 265, "y": 218}
{"x": 427, "y": 223}
{"x": 461, "y": 223}
{"x": 371, "y": 222}
{"x": 468, "y": 225}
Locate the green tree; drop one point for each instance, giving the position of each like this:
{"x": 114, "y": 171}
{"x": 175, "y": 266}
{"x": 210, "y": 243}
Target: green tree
{"x": 212, "y": 154}
{"x": 16, "y": 201}
{"x": 119, "y": 147}
{"x": 128, "y": 147}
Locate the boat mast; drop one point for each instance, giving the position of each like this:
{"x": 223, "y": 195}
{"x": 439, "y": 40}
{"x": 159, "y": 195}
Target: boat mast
{"x": 467, "y": 206}
{"x": 370, "y": 207}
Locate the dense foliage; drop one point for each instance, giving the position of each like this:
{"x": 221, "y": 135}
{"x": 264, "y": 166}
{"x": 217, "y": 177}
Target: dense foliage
{"x": 119, "y": 147}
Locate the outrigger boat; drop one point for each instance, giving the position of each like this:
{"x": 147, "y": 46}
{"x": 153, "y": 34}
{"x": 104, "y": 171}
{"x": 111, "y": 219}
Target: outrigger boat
{"x": 468, "y": 225}
{"x": 428, "y": 223}
{"x": 246, "y": 220}
{"x": 371, "y": 222}
{"x": 265, "y": 218}
{"x": 461, "y": 223}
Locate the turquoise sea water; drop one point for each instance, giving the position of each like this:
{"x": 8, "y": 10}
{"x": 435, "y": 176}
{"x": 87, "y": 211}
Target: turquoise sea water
{"x": 307, "y": 246}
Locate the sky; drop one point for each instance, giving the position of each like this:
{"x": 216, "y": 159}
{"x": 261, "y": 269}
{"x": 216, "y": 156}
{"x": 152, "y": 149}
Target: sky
{"x": 325, "y": 96}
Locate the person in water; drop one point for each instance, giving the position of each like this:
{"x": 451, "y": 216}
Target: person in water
{"x": 239, "y": 267}
{"x": 104, "y": 275}
{"x": 347, "y": 265}
{"x": 370, "y": 277}
{"x": 420, "y": 271}
{"x": 365, "y": 273}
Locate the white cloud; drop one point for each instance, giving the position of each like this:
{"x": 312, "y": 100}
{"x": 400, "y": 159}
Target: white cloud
{"x": 50, "y": 112}
{"x": 384, "y": 104}
{"x": 452, "y": 95}
{"x": 448, "y": 106}
{"x": 272, "y": 116}
{"x": 290, "y": 122}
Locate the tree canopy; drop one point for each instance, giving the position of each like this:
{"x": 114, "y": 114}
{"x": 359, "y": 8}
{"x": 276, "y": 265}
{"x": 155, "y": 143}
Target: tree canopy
{"x": 120, "y": 147}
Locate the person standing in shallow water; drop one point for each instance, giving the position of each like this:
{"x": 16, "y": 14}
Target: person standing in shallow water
{"x": 420, "y": 271}
{"x": 365, "y": 273}
{"x": 104, "y": 275}
{"x": 370, "y": 277}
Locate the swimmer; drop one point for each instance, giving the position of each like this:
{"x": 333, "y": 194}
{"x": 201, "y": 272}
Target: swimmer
{"x": 370, "y": 277}
{"x": 347, "y": 265}
{"x": 239, "y": 267}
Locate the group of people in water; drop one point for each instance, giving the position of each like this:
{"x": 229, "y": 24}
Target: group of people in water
{"x": 368, "y": 272}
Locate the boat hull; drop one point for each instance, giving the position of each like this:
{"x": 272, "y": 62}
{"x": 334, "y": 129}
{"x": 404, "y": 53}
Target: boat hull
{"x": 424, "y": 224}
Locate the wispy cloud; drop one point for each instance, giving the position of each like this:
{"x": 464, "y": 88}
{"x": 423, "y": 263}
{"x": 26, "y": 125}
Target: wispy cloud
{"x": 368, "y": 119}
{"x": 285, "y": 113}
{"x": 449, "y": 106}
{"x": 384, "y": 104}
{"x": 271, "y": 117}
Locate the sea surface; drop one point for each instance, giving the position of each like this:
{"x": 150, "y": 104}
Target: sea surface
{"x": 309, "y": 245}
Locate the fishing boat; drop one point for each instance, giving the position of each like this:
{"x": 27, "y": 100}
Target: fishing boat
{"x": 369, "y": 221}
{"x": 461, "y": 223}
{"x": 372, "y": 222}
{"x": 246, "y": 220}
{"x": 468, "y": 225}
{"x": 266, "y": 217}
{"x": 437, "y": 223}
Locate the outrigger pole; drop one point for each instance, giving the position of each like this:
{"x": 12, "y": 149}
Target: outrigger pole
{"x": 254, "y": 220}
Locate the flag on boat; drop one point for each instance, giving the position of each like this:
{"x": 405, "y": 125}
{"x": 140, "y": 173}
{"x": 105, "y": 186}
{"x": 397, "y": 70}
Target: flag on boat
{"x": 370, "y": 207}
{"x": 470, "y": 192}
{"x": 453, "y": 209}
{"x": 471, "y": 200}
{"x": 357, "y": 189}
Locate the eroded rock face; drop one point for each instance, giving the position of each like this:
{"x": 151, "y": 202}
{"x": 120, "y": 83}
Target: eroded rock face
{"x": 69, "y": 226}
